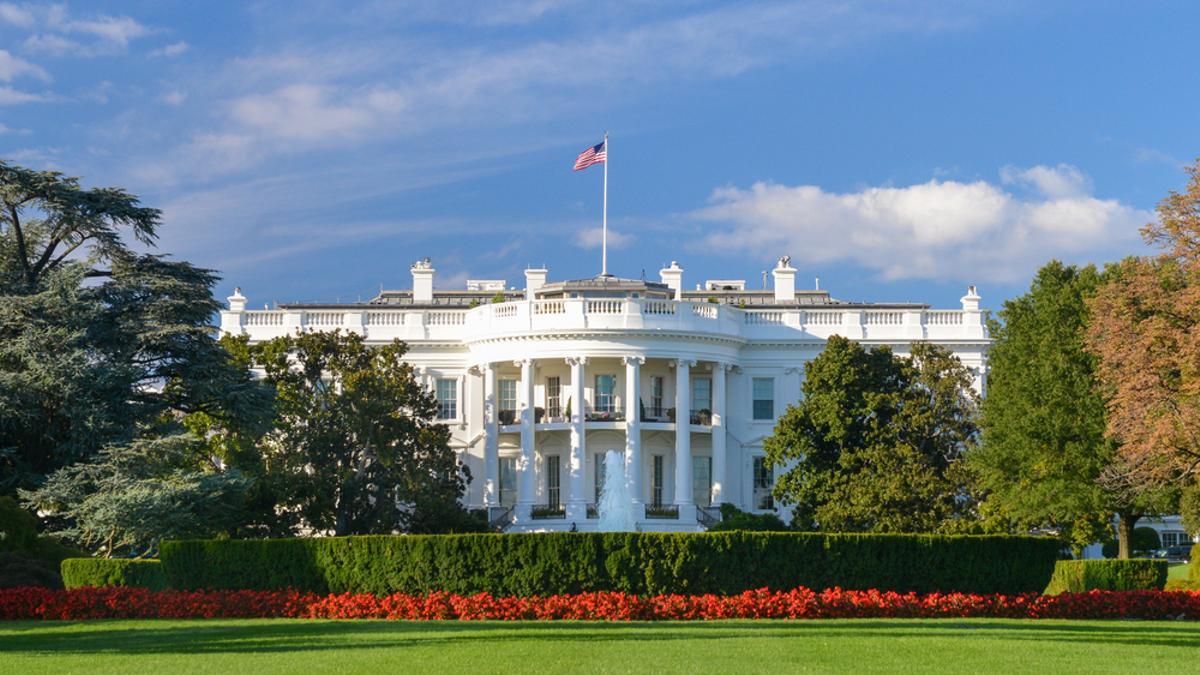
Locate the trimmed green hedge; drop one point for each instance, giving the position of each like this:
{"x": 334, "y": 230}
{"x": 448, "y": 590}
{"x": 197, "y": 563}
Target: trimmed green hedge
{"x": 640, "y": 563}
{"x": 1077, "y": 576}
{"x": 78, "y": 572}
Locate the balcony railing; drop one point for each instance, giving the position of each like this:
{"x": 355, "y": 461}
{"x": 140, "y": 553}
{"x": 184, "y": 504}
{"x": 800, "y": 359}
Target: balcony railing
{"x": 662, "y": 512}
{"x": 548, "y": 511}
{"x": 509, "y": 318}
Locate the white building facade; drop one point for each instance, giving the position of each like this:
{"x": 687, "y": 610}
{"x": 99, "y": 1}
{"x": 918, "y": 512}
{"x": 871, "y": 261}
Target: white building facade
{"x": 538, "y": 384}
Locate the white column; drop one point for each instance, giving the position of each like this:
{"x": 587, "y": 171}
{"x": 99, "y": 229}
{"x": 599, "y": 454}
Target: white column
{"x": 576, "y": 491}
{"x": 525, "y": 470}
{"x": 491, "y": 448}
{"x": 683, "y": 441}
{"x": 633, "y": 431}
{"x": 718, "y": 433}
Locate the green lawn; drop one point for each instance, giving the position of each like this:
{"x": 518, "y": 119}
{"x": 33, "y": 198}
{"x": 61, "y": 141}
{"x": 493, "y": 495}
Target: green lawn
{"x": 1177, "y": 571}
{"x": 264, "y": 646}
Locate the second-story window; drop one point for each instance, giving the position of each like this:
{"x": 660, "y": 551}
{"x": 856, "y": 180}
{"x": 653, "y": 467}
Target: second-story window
{"x": 656, "y": 396}
{"x": 701, "y": 394}
{"x": 508, "y": 401}
{"x": 605, "y": 386}
{"x": 553, "y": 397}
{"x": 764, "y": 398}
{"x": 447, "y": 398}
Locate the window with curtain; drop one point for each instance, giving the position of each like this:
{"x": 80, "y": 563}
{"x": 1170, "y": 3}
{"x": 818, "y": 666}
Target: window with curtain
{"x": 605, "y": 400}
{"x": 446, "y": 392}
{"x": 701, "y": 394}
{"x": 508, "y": 481}
{"x": 508, "y": 395}
{"x": 702, "y": 480}
{"x": 553, "y": 397}
{"x": 764, "y": 482}
{"x": 553, "y": 491}
{"x": 764, "y": 398}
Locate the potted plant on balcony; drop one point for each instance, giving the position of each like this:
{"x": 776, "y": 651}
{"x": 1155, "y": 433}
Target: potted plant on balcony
{"x": 508, "y": 416}
{"x": 671, "y": 414}
{"x": 568, "y": 411}
{"x": 539, "y": 414}
{"x": 641, "y": 410}
{"x": 702, "y": 417}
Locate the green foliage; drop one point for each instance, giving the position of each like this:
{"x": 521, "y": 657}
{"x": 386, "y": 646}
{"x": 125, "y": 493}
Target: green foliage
{"x": 132, "y": 496}
{"x": 99, "y": 343}
{"x": 1077, "y": 576}
{"x": 27, "y": 559}
{"x": 545, "y": 564}
{"x": 77, "y": 572}
{"x": 733, "y": 518}
{"x": 875, "y": 444}
{"x": 356, "y": 447}
{"x": 1044, "y": 448}
{"x": 1189, "y": 508}
{"x": 498, "y": 298}
{"x": 18, "y": 527}
{"x": 1144, "y": 539}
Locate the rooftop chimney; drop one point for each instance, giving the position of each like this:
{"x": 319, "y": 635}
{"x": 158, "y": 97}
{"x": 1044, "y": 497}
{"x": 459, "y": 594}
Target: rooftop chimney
{"x": 237, "y": 301}
{"x": 673, "y": 277}
{"x": 422, "y": 272}
{"x": 785, "y": 280}
{"x": 970, "y": 301}
{"x": 534, "y": 280}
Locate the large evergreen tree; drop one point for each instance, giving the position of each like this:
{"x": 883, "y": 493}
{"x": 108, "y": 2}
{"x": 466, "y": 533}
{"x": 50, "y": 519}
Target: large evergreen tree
{"x": 875, "y": 444}
{"x": 100, "y": 344}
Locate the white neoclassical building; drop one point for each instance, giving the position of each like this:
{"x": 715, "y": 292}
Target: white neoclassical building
{"x": 538, "y": 384}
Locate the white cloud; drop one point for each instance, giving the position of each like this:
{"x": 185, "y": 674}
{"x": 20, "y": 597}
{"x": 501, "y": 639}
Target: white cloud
{"x": 950, "y": 230}
{"x": 12, "y": 67}
{"x": 175, "y": 97}
{"x": 171, "y": 50}
{"x": 592, "y": 236}
{"x": 303, "y": 112}
{"x": 97, "y": 35}
{"x": 10, "y": 96}
{"x": 21, "y": 17}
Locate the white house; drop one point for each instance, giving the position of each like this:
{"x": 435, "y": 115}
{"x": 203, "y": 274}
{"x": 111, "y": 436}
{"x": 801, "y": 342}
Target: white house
{"x": 537, "y": 384}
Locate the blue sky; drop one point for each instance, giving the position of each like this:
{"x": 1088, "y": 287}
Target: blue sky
{"x": 896, "y": 150}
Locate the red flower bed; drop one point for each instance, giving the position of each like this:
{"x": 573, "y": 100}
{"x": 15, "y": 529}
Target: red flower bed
{"x": 801, "y": 603}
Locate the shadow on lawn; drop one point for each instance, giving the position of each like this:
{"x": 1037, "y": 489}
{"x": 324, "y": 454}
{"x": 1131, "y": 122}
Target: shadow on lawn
{"x": 205, "y": 637}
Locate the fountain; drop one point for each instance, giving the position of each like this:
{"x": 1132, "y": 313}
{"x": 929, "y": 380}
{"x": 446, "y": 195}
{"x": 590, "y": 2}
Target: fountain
{"x": 616, "y": 504}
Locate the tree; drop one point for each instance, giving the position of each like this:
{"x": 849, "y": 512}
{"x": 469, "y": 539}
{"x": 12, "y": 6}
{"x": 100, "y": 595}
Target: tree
{"x": 98, "y": 343}
{"x": 1145, "y": 328}
{"x": 1043, "y": 422}
{"x": 876, "y": 443}
{"x": 131, "y": 497}
{"x": 356, "y": 447}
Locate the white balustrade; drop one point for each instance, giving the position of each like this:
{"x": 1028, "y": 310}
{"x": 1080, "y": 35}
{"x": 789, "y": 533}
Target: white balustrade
{"x": 385, "y": 318}
{"x": 603, "y": 306}
{"x": 324, "y": 319}
{"x": 944, "y": 318}
{"x": 824, "y": 318}
{"x": 761, "y": 318}
{"x": 887, "y": 318}
{"x": 658, "y": 307}
{"x": 706, "y": 310}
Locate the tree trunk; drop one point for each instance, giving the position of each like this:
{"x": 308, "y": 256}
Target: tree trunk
{"x": 1125, "y": 523}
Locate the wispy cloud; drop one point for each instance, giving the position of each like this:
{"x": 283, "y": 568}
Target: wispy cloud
{"x": 591, "y": 237}
{"x": 946, "y": 230}
{"x": 10, "y": 96}
{"x": 170, "y": 51}
{"x": 59, "y": 33}
{"x": 14, "y": 67}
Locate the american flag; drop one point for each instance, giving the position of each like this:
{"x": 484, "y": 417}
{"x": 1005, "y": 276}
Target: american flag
{"x": 597, "y": 154}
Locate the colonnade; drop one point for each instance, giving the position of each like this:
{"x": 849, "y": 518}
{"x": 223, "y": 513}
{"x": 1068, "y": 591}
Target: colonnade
{"x": 576, "y": 500}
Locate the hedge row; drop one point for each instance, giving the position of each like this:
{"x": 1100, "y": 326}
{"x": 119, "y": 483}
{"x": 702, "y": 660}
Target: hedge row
{"x": 80, "y": 572}
{"x": 1077, "y": 576}
{"x": 639, "y": 563}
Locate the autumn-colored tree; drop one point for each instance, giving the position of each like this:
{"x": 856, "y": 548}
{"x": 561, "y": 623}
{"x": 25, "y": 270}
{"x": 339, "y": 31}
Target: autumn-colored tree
{"x": 1145, "y": 329}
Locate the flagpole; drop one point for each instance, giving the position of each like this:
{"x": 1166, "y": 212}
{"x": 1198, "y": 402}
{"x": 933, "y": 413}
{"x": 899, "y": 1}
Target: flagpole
{"x": 604, "y": 236}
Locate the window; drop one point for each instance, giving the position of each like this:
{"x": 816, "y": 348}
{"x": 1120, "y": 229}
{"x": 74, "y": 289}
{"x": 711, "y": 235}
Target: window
{"x": 764, "y": 482}
{"x": 1174, "y": 538}
{"x": 656, "y": 396}
{"x": 701, "y": 394}
{"x": 598, "y": 488}
{"x": 702, "y": 480}
{"x": 447, "y": 398}
{"x": 552, "y": 482}
{"x": 764, "y": 398}
{"x": 656, "y": 495}
{"x": 508, "y": 481}
{"x": 605, "y": 386}
{"x": 553, "y": 397}
{"x": 508, "y": 401}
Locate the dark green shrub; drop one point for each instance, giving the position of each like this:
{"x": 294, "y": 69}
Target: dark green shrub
{"x": 641, "y": 563}
{"x": 18, "y": 568}
{"x": 78, "y": 572}
{"x": 18, "y": 527}
{"x": 1144, "y": 539}
{"x": 733, "y": 518}
{"x": 1077, "y": 576}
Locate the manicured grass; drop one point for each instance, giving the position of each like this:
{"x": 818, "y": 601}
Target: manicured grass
{"x": 280, "y": 645}
{"x": 1177, "y": 571}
